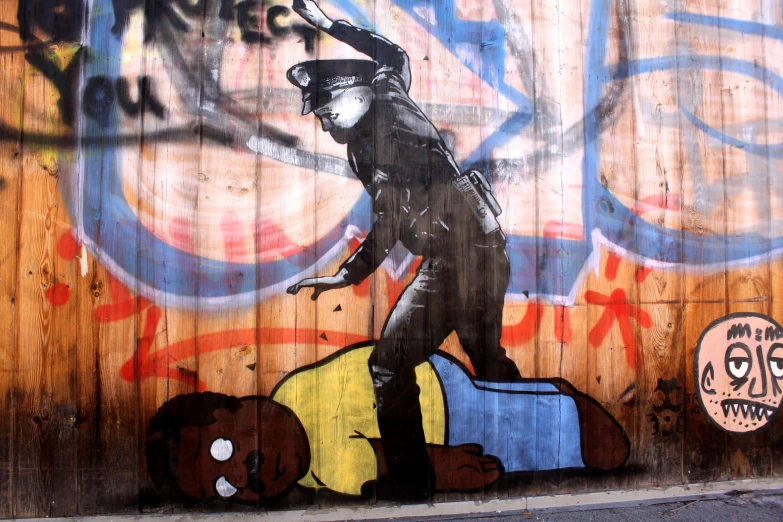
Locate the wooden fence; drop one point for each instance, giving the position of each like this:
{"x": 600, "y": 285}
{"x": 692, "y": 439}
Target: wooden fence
{"x": 160, "y": 191}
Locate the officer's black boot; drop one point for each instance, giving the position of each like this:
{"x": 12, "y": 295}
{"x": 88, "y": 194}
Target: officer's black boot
{"x": 411, "y": 477}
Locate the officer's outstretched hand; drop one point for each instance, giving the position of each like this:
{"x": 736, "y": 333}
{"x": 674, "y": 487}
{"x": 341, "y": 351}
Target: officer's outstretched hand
{"x": 321, "y": 284}
{"x": 310, "y": 11}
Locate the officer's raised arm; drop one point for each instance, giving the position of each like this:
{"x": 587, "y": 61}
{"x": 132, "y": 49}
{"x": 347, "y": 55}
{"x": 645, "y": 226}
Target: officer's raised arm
{"x": 389, "y": 55}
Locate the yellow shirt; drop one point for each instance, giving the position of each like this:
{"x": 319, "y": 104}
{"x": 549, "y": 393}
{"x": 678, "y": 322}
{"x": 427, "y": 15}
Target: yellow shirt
{"x": 335, "y": 402}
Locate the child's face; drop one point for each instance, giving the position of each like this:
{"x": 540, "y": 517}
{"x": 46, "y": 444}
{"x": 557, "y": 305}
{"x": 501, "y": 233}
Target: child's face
{"x": 255, "y": 453}
{"x": 739, "y": 364}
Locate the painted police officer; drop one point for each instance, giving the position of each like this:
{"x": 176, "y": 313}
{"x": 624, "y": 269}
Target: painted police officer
{"x": 421, "y": 199}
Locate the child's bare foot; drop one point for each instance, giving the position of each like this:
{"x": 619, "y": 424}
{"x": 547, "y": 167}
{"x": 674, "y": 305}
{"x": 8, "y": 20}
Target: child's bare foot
{"x": 463, "y": 467}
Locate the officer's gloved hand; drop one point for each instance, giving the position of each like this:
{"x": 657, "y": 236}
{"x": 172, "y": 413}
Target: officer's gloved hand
{"x": 310, "y": 11}
{"x": 321, "y": 284}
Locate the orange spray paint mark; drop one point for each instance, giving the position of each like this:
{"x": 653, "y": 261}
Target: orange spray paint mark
{"x": 617, "y": 309}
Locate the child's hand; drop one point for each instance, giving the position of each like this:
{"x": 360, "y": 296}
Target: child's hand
{"x": 310, "y": 11}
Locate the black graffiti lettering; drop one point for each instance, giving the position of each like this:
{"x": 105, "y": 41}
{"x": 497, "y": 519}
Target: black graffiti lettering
{"x": 122, "y": 10}
{"x": 62, "y": 20}
{"x": 773, "y": 333}
{"x": 62, "y": 79}
{"x": 154, "y": 10}
{"x": 98, "y": 99}
{"x": 100, "y": 94}
{"x": 146, "y": 101}
{"x": 249, "y": 20}
{"x": 307, "y": 32}
{"x": 738, "y": 331}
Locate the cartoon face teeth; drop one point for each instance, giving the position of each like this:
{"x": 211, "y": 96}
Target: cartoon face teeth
{"x": 744, "y": 410}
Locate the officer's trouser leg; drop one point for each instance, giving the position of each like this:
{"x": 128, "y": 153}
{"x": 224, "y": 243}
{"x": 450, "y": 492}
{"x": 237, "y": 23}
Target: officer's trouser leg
{"x": 414, "y": 330}
{"x": 480, "y": 324}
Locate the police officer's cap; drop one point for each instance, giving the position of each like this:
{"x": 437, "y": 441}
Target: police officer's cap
{"x": 317, "y": 78}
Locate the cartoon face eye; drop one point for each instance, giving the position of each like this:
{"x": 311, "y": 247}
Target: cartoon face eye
{"x": 775, "y": 358}
{"x": 738, "y": 360}
{"x": 221, "y": 449}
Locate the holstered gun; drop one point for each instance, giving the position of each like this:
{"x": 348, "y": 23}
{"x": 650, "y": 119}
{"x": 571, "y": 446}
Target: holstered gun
{"x": 478, "y": 194}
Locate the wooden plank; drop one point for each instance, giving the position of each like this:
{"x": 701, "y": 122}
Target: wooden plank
{"x": 706, "y": 455}
{"x": 159, "y": 162}
{"x": 614, "y": 348}
{"x": 44, "y": 426}
{"x": 11, "y": 115}
{"x": 660, "y": 373}
{"x": 567, "y": 72}
{"x": 109, "y": 477}
{"x": 746, "y": 175}
{"x": 548, "y": 204}
{"x": 699, "y": 94}
{"x": 705, "y": 293}
{"x": 62, "y": 353}
{"x": 748, "y": 189}
{"x": 773, "y": 15}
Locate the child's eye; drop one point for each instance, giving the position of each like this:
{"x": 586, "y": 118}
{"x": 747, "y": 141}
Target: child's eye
{"x": 221, "y": 449}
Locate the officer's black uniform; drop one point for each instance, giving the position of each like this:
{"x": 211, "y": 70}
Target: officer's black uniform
{"x": 413, "y": 180}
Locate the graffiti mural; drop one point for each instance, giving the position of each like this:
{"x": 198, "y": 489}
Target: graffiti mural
{"x": 286, "y": 253}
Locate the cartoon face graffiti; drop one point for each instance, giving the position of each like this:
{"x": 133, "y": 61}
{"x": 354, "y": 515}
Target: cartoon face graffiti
{"x": 738, "y": 370}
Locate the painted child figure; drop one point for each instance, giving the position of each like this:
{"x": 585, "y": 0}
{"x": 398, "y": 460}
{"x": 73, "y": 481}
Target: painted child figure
{"x": 320, "y": 429}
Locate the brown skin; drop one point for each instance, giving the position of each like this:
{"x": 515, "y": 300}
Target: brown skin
{"x": 457, "y": 468}
{"x": 281, "y": 441}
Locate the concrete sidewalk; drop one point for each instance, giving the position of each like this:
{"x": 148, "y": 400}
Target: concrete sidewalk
{"x": 756, "y": 500}
{"x": 753, "y": 507}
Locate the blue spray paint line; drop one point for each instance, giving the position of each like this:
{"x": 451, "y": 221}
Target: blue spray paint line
{"x": 596, "y": 78}
{"x": 743, "y": 26}
{"x": 109, "y": 221}
{"x": 753, "y": 70}
{"x": 545, "y": 265}
{"x": 479, "y": 46}
{"x": 507, "y": 131}
{"x": 355, "y": 14}
{"x": 771, "y": 150}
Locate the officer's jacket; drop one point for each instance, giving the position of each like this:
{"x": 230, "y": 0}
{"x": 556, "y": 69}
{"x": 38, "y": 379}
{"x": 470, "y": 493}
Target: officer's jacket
{"x": 405, "y": 166}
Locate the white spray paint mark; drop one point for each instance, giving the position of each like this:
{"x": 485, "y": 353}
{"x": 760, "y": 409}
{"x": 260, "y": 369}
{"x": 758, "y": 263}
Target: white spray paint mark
{"x": 83, "y": 265}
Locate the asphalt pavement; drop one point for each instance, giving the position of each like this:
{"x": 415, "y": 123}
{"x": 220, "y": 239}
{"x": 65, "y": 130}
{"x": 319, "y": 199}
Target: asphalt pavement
{"x": 747, "y": 507}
